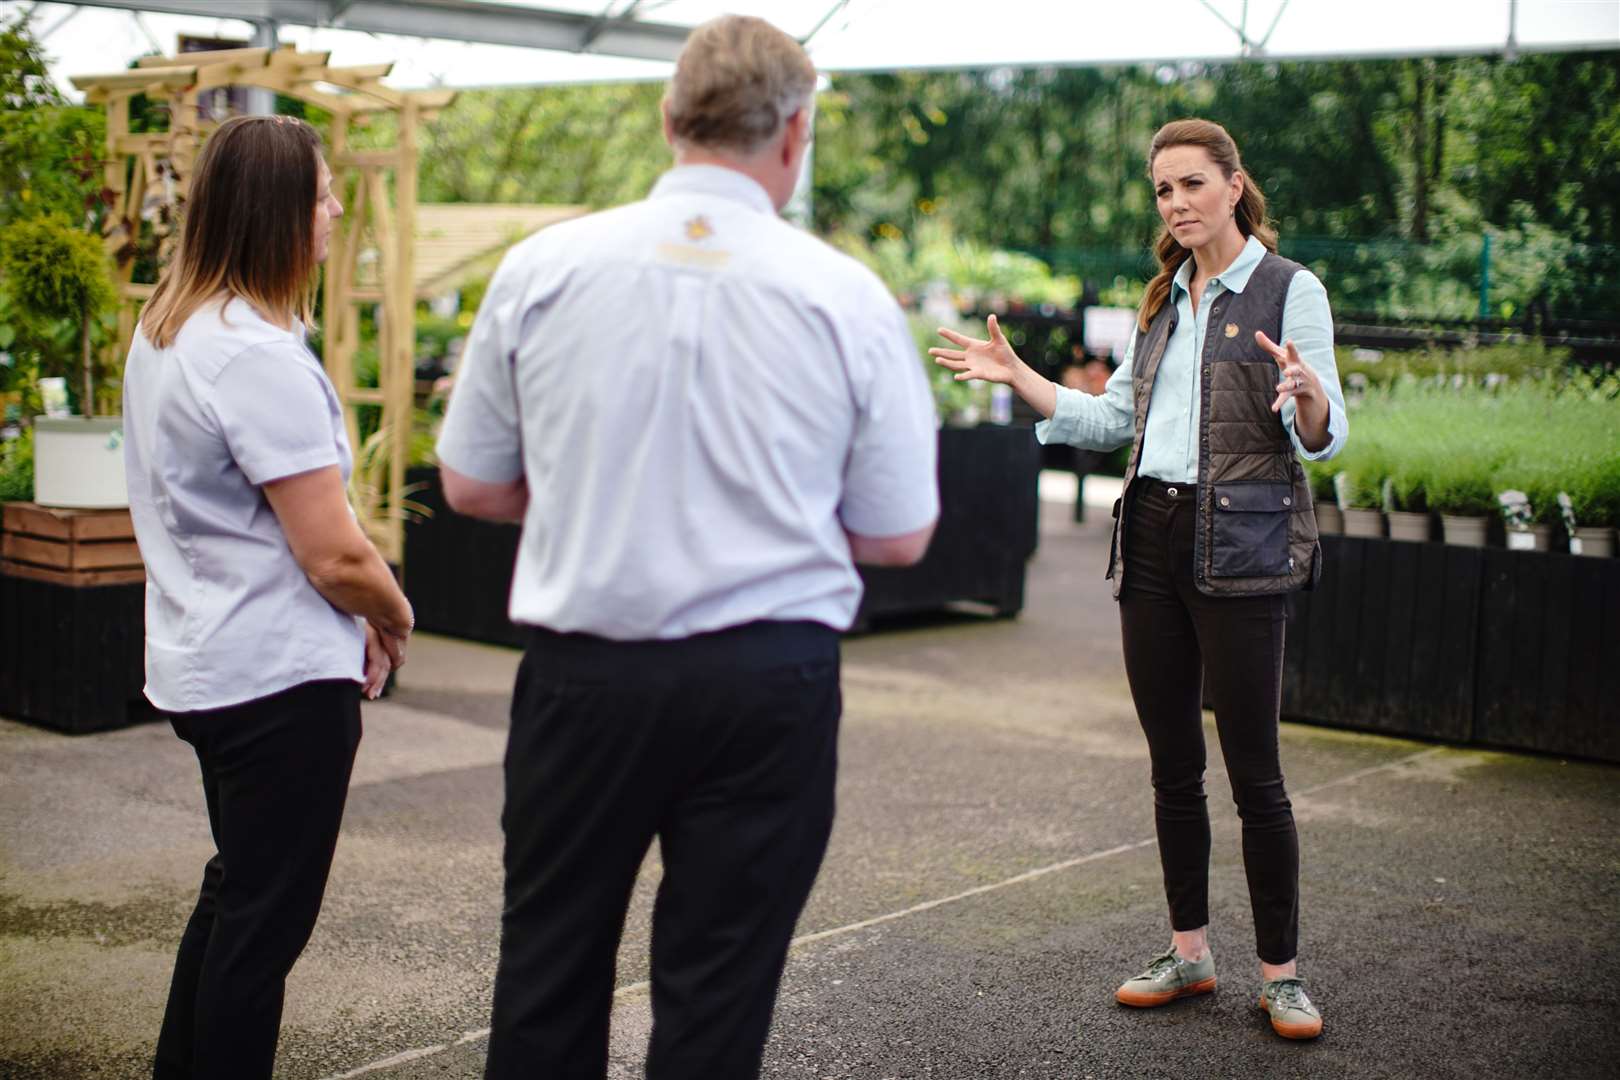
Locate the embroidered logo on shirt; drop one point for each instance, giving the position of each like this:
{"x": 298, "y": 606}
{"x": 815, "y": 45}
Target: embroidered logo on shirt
{"x": 1231, "y": 329}
{"x": 699, "y": 228}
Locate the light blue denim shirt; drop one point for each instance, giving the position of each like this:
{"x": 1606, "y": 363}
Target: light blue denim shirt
{"x": 1170, "y": 446}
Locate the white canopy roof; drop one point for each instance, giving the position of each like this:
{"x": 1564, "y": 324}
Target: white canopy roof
{"x": 471, "y": 42}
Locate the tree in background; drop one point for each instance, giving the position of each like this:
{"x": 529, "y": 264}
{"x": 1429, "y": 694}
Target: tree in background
{"x": 50, "y": 150}
{"x": 595, "y": 145}
{"x": 1385, "y": 176}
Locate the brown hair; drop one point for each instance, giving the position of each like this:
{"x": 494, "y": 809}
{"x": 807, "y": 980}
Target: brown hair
{"x": 249, "y": 227}
{"x": 1250, "y": 212}
{"x": 737, "y": 79}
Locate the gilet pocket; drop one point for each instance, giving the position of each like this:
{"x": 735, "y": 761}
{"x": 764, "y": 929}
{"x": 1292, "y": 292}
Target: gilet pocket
{"x": 1251, "y": 529}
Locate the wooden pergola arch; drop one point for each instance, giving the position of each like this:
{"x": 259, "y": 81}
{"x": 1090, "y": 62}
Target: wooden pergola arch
{"x": 371, "y": 262}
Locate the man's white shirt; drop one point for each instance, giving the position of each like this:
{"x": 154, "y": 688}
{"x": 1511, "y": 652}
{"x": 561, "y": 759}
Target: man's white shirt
{"x": 702, "y": 399}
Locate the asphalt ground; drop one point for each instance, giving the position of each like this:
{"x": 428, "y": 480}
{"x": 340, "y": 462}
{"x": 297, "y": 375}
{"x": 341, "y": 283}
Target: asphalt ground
{"x": 991, "y": 879}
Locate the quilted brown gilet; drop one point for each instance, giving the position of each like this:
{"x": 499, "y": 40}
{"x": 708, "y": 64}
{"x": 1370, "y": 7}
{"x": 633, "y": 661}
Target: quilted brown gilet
{"x": 1256, "y": 530}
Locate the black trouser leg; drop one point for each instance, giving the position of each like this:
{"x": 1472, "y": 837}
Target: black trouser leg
{"x": 724, "y": 746}
{"x": 1172, "y": 633}
{"x": 741, "y": 849}
{"x": 1165, "y": 669}
{"x": 1243, "y": 648}
{"x": 275, "y": 777}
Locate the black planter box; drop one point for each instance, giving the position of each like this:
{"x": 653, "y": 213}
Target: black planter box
{"x": 1549, "y": 654}
{"x": 458, "y": 571}
{"x": 72, "y": 657}
{"x": 1519, "y": 650}
{"x": 989, "y": 495}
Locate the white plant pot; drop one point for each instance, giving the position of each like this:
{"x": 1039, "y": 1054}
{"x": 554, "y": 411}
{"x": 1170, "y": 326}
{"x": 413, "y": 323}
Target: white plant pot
{"x": 1464, "y": 530}
{"x": 1530, "y": 538}
{"x": 1359, "y": 522}
{"x": 1329, "y": 519}
{"x": 1404, "y": 525}
{"x": 79, "y": 462}
{"x": 1596, "y": 541}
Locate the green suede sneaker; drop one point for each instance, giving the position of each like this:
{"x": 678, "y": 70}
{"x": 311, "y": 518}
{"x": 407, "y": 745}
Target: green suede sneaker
{"x": 1167, "y": 978}
{"x": 1292, "y": 1014}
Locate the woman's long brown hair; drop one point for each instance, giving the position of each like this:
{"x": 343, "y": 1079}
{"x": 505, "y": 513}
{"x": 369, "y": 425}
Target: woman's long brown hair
{"x": 249, "y": 227}
{"x": 1250, "y": 212}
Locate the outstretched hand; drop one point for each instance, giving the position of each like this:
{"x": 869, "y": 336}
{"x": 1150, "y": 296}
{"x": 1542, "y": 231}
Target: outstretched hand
{"x": 1296, "y": 379}
{"x": 992, "y": 360}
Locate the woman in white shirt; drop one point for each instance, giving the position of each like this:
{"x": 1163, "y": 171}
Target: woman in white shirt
{"x": 268, "y": 612}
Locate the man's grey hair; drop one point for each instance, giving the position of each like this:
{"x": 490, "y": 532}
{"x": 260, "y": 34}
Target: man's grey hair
{"x": 736, "y": 82}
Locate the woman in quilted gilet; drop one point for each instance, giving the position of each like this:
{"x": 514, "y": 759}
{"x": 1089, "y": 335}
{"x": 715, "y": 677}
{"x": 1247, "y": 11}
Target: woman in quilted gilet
{"x": 1214, "y": 527}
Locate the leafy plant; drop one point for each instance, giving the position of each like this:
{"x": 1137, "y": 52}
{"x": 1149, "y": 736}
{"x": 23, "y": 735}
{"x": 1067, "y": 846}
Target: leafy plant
{"x": 955, "y": 402}
{"x": 17, "y": 468}
{"x": 55, "y": 272}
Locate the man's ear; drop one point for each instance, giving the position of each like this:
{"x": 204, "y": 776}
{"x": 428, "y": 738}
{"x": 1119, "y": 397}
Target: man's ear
{"x": 669, "y": 126}
{"x": 796, "y": 133}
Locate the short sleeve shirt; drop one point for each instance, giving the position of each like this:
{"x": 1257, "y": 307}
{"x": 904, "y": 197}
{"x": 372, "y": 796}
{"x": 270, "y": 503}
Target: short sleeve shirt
{"x": 234, "y": 403}
{"x": 702, "y": 399}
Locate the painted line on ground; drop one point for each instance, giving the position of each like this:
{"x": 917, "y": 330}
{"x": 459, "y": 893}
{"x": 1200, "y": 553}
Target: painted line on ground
{"x": 877, "y": 920}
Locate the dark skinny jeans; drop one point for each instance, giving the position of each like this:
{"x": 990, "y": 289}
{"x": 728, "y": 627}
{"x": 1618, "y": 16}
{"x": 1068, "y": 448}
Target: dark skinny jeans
{"x": 1174, "y": 635}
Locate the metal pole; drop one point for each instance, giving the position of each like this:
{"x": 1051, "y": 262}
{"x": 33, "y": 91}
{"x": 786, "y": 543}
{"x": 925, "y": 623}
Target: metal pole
{"x": 1485, "y": 278}
{"x": 262, "y": 102}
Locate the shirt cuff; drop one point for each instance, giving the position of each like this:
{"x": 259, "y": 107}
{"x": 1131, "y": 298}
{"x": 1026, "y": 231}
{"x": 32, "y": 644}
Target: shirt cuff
{"x": 1337, "y": 430}
{"x": 1061, "y": 428}
{"x": 486, "y": 468}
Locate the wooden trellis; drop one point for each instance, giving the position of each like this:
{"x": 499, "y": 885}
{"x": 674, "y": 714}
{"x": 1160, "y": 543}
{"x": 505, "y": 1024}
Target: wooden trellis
{"x": 371, "y": 261}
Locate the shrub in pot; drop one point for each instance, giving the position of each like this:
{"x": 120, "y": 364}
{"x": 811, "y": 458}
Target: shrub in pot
{"x": 1358, "y": 487}
{"x": 1593, "y": 498}
{"x": 57, "y": 273}
{"x": 1460, "y": 492}
{"x": 1329, "y": 519}
{"x": 1405, "y": 498}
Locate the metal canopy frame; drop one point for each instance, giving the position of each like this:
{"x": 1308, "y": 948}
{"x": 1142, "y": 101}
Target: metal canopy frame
{"x": 611, "y": 34}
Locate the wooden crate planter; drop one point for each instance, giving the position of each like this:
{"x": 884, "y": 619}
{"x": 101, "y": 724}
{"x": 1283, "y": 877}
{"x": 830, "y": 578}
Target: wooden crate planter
{"x": 70, "y": 547}
{"x": 458, "y": 571}
{"x": 72, "y": 619}
{"x": 1519, "y": 650}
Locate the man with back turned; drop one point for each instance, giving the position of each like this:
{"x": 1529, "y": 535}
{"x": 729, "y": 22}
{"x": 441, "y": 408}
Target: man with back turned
{"x": 703, "y": 418}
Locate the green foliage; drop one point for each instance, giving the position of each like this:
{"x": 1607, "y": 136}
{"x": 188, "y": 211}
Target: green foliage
{"x": 17, "y": 468}
{"x": 1444, "y": 152}
{"x": 978, "y": 276}
{"x": 55, "y": 271}
{"x": 955, "y": 402}
{"x": 593, "y": 145}
{"x": 1513, "y": 361}
{"x": 50, "y": 150}
{"x": 1453, "y": 448}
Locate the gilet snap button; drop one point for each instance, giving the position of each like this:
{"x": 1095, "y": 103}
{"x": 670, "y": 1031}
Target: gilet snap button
{"x": 1288, "y": 501}
{"x": 1225, "y": 501}
{"x": 1172, "y": 492}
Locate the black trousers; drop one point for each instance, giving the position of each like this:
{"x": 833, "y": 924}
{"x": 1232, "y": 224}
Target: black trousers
{"x": 1174, "y": 635}
{"x": 275, "y": 776}
{"x": 724, "y": 747}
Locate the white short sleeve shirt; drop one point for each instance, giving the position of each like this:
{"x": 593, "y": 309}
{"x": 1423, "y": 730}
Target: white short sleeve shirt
{"x": 702, "y": 399}
{"x": 234, "y": 403}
